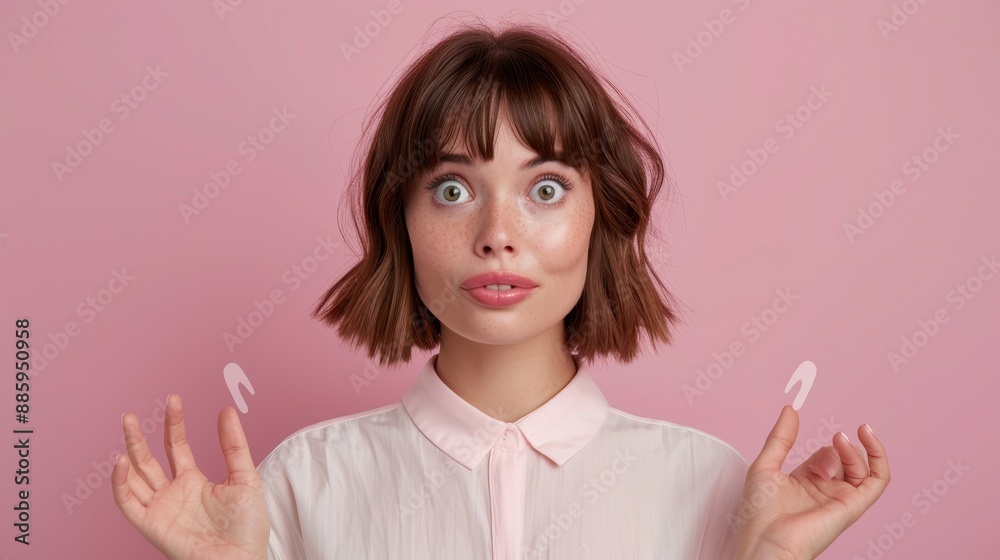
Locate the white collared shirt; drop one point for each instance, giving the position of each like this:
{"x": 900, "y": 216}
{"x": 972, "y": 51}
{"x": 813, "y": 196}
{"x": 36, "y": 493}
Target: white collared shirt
{"x": 433, "y": 477}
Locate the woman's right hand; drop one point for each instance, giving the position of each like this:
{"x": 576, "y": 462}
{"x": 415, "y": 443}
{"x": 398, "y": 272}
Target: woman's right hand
{"x": 191, "y": 517}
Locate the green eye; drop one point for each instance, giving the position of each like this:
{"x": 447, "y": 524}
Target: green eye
{"x": 548, "y": 192}
{"x": 448, "y": 189}
{"x": 451, "y": 193}
{"x": 452, "y": 187}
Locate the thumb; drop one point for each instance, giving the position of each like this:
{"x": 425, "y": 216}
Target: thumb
{"x": 779, "y": 442}
{"x": 234, "y": 447}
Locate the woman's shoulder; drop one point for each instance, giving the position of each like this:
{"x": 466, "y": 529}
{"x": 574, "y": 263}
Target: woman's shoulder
{"x": 341, "y": 431}
{"x": 346, "y": 422}
{"x": 675, "y": 435}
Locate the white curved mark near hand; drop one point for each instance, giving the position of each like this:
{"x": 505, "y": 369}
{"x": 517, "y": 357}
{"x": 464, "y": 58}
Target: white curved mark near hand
{"x": 235, "y": 376}
{"x": 806, "y": 373}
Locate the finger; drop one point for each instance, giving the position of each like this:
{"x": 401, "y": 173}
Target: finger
{"x": 235, "y": 448}
{"x": 779, "y": 441}
{"x": 862, "y": 454}
{"x": 855, "y": 469}
{"x": 878, "y": 464}
{"x": 138, "y": 486}
{"x": 824, "y": 463}
{"x": 174, "y": 438}
{"x": 139, "y": 456}
{"x": 121, "y": 486}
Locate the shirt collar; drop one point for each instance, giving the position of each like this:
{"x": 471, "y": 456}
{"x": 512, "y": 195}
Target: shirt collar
{"x": 558, "y": 429}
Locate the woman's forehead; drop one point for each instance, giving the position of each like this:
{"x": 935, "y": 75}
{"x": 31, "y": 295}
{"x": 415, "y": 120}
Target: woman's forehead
{"x": 455, "y": 148}
{"x": 457, "y": 126}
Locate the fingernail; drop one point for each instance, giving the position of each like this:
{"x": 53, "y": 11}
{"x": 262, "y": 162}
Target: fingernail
{"x": 822, "y": 473}
{"x": 870, "y": 430}
{"x": 845, "y": 437}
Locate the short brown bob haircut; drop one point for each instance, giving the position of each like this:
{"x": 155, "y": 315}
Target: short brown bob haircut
{"x": 459, "y": 86}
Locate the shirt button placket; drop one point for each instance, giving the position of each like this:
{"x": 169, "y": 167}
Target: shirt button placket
{"x": 505, "y": 492}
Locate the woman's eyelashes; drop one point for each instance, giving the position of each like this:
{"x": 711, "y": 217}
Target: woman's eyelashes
{"x": 548, "y": 190}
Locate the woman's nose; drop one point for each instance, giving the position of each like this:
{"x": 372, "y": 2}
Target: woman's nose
{"x": 499, "y": 226}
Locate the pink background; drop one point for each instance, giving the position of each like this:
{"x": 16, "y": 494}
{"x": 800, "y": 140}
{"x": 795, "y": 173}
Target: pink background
{"x": 62, "y": 236}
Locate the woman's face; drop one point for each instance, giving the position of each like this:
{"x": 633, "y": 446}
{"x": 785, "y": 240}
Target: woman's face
{"x": 510, "y": 215}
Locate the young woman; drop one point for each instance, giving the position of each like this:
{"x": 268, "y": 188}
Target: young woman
{"x": 505, "y": 201}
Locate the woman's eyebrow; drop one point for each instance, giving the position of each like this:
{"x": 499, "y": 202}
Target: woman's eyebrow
{"x": 533, "y": 162}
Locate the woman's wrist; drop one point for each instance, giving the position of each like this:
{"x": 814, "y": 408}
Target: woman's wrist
{"x": 765, "y": 553}
{"x": 765, "y": 550}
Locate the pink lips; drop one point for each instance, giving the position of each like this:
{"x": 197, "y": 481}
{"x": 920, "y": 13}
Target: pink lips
{"x": 521, "y": 288}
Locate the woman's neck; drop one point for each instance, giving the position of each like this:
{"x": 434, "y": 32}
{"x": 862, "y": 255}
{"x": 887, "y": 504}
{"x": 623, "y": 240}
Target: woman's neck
{"x": 508, "y": 381}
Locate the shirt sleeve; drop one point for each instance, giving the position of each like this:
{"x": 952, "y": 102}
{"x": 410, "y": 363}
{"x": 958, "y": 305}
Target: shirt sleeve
{"x": 722, "y": 526}
{"x": 284, "y": 506}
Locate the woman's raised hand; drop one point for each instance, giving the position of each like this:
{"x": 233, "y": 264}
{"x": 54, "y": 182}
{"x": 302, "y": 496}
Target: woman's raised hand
{"x": 191, "y": 517}
{"x": 798, "y": 515}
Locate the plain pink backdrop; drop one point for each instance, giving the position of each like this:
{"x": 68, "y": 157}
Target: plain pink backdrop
{"x": 895, "y": 73}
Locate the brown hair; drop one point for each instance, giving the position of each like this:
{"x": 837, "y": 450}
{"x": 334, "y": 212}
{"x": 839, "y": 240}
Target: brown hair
{"x": 549, "y": 92}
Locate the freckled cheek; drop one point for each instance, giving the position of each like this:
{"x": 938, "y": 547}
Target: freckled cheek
{"x": 434, "y": 253}
{"x": 564, "y": 246}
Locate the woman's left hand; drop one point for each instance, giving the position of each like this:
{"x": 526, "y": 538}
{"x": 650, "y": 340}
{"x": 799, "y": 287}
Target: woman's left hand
{"x": 796, "y": 516}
